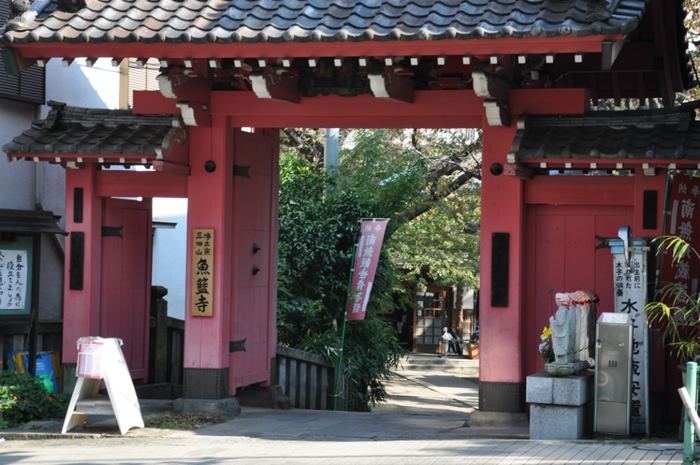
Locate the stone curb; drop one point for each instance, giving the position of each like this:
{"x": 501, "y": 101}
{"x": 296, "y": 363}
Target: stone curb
{"x": 27, "y": 436}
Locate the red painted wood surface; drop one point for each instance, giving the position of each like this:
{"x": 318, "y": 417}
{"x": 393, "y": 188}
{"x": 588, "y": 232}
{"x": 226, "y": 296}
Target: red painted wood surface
{"x": 82, "y": 307}
{"x": 561, "y": 256}
{"x": 146, "y": 184}
{"x": 430, "y": 109}
{"x": 486, "y": 47}
{"x": 126, "y": 281}
{"x": 502, "y": 212}
{"x": 577, "y": 190}
{"x": 210, "y": 206}
{"x": 255, "y": 224}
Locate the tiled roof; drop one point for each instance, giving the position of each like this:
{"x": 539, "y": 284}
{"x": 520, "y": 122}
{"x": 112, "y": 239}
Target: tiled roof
{"x": 22, "y": 221}
{"x": 103, "y": 133}
{"x": 279, "y": 21}
{"x": 642, "y": 135}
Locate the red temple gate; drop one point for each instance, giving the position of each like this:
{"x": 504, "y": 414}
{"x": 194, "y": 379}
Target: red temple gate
{"x": 435, "y": 64}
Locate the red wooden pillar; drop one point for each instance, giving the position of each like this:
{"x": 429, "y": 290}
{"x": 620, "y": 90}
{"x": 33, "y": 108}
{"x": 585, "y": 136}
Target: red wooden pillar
{"x": 501, "y": 316}
{"x": 206, "y": 361}
{"x": 81, "y": 295}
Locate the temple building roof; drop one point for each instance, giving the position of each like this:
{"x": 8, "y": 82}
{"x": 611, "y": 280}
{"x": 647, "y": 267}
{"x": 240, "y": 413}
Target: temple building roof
{"x": 278, "y": 21}
{"x": 72, "y": 135}
{"x": 668, "y": 135}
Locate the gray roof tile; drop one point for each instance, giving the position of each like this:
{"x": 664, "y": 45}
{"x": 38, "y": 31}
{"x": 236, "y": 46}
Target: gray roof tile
{"x": 643, "y": 135}
{"x": 85, "y": 131}
{"x": 125, "y": 21}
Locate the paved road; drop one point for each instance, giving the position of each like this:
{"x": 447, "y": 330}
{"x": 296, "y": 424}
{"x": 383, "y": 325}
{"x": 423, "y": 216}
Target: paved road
{"x": 422, "y": 424}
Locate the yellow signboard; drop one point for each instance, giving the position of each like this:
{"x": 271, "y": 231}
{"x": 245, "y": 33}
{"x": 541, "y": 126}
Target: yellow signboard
{"x": 202, "y": 272}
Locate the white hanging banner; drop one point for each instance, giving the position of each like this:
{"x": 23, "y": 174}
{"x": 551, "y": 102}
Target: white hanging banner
{"x": 630, "y": 274}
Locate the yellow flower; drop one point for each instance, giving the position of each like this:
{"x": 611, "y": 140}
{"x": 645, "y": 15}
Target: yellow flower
{"x": 546, "y": 332}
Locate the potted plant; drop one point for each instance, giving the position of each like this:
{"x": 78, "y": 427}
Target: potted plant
{"x": 473, "y": 349}
{"x": 676, "y": 311}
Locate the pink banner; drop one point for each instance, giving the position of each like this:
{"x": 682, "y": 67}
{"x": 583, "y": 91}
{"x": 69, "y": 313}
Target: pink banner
{"x": 366, "y": 258}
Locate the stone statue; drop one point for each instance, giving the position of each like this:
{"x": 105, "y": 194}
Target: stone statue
{"x": 570, "y": 331}
{"x": 562, "y": 323}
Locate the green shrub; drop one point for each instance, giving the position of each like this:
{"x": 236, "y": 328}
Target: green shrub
{"x": 24, "y": 398}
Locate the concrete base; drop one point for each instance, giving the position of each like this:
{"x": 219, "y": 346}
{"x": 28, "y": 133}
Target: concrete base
{"x": 561, "y": 422}
{"x": 158, "y": 391}
{"x": 268, "y": 397}
{"x": 561, "y": 408}
{"x": 228, "y": 407}
{"x": 479, "y": 419}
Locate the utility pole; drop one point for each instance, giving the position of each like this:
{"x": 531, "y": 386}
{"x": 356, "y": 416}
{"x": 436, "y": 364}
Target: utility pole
{"x": 330, "y": 156}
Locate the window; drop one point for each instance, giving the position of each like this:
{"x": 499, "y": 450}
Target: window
{"x": 137, "y": 79}
{"x": 29, "y": 86}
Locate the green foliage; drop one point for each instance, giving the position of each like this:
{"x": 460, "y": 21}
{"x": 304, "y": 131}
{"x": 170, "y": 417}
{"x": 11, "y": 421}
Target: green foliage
{"x": 428, "y": 183}
{"x": 417, "y": 179}
{"x": 675, "y": 310}
{"x": 183, "y": 421}
{"x": 440, "y": 240}
{"x": 24, "y": 398}
{"x": 318, "y": 228}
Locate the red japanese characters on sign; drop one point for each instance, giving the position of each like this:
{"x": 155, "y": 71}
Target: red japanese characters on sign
{"x": 685, "y": 194}
{"x": 366, "y": 258}
{"x": 202, "y": 272}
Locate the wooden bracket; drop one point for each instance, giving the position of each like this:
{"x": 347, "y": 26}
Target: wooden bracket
{"x": 276, "y": 84}
{"x": 497, "y": 112}
{"x": 194, "y": 113}
{"x": 610, "y": 51}
{"x": 181, "y": 86}
{"x": 391, "y": 84}
{"x": 175, "y": 149}
{"x": 490, "y": 86}
{"x": 518, "y": 171}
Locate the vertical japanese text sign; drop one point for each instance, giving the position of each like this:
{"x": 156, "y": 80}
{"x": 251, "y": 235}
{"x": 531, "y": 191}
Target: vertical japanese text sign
{"x": 630, "y": 297}
{"x": 202, "y": 272}
{"x": 15, "y": 277}
{"x": 684, "y": 198}
{"x": 366, "y": 258}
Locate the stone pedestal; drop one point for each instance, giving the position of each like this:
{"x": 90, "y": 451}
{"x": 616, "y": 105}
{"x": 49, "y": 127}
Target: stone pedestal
{"x": 561, "y": 408}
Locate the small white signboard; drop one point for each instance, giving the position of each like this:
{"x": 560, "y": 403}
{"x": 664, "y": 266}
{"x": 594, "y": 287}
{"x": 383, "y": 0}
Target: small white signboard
{"x": 13, "y": 279}
{"x": 106, "y": 363}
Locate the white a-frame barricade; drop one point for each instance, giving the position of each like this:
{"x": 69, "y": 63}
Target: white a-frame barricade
{"x": 102, "y": 360}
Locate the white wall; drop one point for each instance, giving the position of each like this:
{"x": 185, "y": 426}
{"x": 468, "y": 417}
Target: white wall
{"x": 81, "y": 86}
{"x": 17, "y": 178}
{"x": 25, "y": 185}
{"x": 170, "y": 253}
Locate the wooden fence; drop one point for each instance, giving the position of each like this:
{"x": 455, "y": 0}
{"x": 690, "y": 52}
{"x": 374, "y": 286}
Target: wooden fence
{"x": 167, "y": 342}
{"x": 14, "y": 337}
{"x": 308, "y": 380}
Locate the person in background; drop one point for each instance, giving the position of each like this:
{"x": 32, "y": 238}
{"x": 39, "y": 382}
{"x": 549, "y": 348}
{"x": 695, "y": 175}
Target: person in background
{"x": 455, "y": 343}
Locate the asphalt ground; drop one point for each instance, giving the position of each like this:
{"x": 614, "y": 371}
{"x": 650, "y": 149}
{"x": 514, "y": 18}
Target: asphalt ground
{"x": 422, "y": 423}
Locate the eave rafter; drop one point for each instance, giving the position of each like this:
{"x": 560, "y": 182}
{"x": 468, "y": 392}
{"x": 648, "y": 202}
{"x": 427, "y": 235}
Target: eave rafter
{"x": 474, "y": 47}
